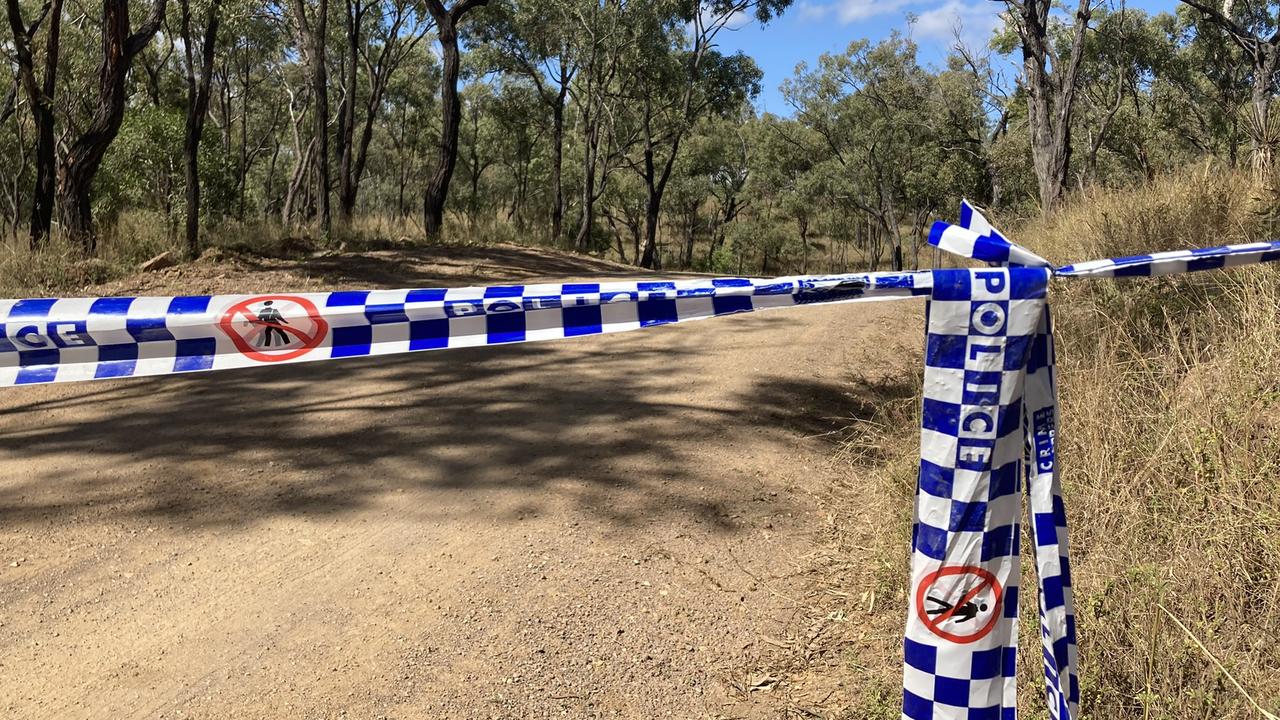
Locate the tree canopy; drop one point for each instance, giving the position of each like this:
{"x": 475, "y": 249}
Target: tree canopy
{"x": 607, "y": 126}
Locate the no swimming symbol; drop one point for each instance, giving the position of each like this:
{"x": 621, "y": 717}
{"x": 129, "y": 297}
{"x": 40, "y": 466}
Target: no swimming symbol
{"x": 274, "y": 328}
{"x": 960, "y": 603}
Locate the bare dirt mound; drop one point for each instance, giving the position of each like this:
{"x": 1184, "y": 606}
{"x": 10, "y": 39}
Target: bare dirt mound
{"x": 609, "y": 527}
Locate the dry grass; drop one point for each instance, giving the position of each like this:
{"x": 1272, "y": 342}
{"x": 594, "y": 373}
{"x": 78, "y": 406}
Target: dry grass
{"x": 59, "y": 268}
{"x": 1171, "y": 432}
{"x": 1171, "y": 460}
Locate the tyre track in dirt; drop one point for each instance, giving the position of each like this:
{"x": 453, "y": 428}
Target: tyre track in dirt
{"x": 597, "y": 528}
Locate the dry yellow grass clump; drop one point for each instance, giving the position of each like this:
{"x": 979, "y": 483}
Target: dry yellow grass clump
{"x": 1171, "y": 452}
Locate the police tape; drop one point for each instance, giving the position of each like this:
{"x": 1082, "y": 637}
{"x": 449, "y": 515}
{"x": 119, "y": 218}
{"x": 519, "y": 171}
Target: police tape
{"x": 988, "y": 423}
{"x": 69, "y": 340}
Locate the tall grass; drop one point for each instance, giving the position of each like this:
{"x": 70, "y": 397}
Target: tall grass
{"x": 1171, "y": 451}
{"x": 1170, "y": 438}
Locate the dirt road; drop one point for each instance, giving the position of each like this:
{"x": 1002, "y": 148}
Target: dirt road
{"x": 607, "y": 527}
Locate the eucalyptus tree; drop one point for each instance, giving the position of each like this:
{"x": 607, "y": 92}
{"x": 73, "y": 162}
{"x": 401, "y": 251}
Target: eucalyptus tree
{"x": 395, "y": 29}
{"x": 1051, "y": 75}
{"x": 1255, "y": 28}
{"x": 1205, "y": 82}
{"x": 85, "y": 150}
{"x": 521, "y": 120}
{"x": 198, "y": 81}
{"x": 867, "y": 112}
{"x": 535, "y": 39}
{"x": 692, "y": 83}
{"x": 40, "y": 91}
{"x": 447, "y": 20}
{"x": 248, "y": 103}
{"x": 312, "y": 26}
{"x": 605, "y": 30}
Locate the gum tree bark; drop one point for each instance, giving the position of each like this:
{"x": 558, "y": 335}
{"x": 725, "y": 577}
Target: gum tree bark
{"x": 1052, "y": 81}
{"x": 437, "y": 191}
{"x": 197, "y": 111}
{"x": 40, "y": 98}
{"x": 84, "y": 157}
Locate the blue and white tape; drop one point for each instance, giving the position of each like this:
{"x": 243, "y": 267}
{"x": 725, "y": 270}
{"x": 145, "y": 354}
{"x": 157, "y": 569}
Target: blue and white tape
{"x": 1176, "y": 262}
{"x": 50, "y": 340}
{"x": 988, "y": 425}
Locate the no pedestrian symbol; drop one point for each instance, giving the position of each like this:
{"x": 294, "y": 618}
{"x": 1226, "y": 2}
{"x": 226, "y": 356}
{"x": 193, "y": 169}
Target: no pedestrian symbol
{"x": 959, "y": 603}
{"x": 274, "y": 328}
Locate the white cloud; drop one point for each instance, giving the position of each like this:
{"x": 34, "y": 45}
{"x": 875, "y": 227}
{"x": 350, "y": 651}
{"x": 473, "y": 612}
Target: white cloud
{"x": 852, "y": 10}
{"x": 976, "y": 19}
{"x": 973, "y": 21}
{"x": 847, "y": 11}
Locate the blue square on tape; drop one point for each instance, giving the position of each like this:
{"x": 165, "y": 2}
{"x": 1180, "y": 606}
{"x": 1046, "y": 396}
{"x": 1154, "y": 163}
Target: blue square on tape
{"x": 930, "y": 541}
{"x": 582, "y": 321}
{"x": 946, "y": 351}
{"x": 386, "y": 314}
{"x": 991, "y": 712}
{"x": 148, "y": 329}
{"x": 195, "y": 354}
{"x": 936, "y": 480}
{"x": 110, "y": 306}
{"x": 731, "y": 304}
{"x": 1011, "y": 602}
{"x": 951, "y": 691}
{"x": 920, "y": 656}
{"x": 116, "y": 360}
{"x": 429, "y": 334}
{"x": 346, "y": 298}
{"x": 968, "y": 516}
{"x": 192, "y": 305}
{"x": 986, "y": 664}
{"x": 352, "y": 341}
{"x": 425, "y": 296}
{"x": 952, "y": 285}
{"x": 656, "y": 312}
{"x": 999, "y": 542}
{"x": 916, "y": 707}
{"x": 505, "y": 328}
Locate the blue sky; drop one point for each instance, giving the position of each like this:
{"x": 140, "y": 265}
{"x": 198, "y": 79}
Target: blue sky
{"x": 813, "y": 27}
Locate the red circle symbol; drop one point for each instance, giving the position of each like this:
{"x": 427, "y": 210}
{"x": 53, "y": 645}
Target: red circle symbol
{"x": 976, "y": 598}
{"x": 254, "y": 325}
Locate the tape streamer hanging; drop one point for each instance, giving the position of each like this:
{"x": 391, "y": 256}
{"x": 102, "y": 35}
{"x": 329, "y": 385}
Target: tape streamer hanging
{"x": 988, "y": 423}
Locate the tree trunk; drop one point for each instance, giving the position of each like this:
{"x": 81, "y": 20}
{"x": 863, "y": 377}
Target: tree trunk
{"x": 197, "y": 111}
{"x": 296, "y": 183}
{"x": 583, "y": 241}
{"x": 40, "y": 99}
{"x": 314, "y": 32}
{"x": 649, "y": 258}
{"x": 802, "y": 224}
{"x": 320, "y": 87}
{"x": 557, "y": 165}
{"x": 437, "y": 191}
{"x": 1051, "y": 82}
{"x": 347, "y": 115}
{"x": 78, "y": 168}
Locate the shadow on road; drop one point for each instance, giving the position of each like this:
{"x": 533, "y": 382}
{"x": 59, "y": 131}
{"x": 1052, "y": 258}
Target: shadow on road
{"x": 614, "y": 425}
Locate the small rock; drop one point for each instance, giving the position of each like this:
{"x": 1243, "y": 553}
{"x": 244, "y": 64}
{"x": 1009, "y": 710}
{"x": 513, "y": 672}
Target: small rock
{"x": 159, "y": 262}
